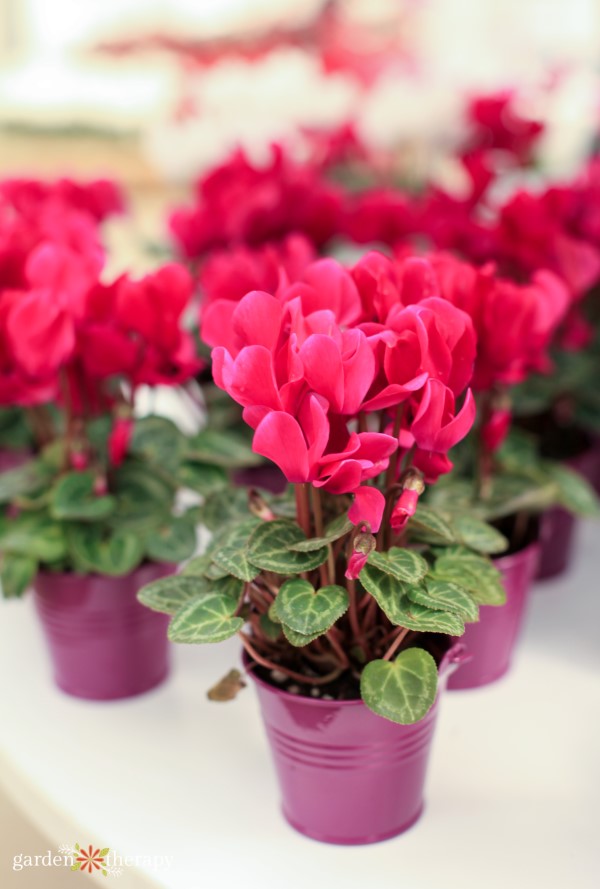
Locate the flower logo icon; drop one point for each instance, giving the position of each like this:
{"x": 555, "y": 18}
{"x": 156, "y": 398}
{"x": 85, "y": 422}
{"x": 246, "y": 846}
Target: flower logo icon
{"x": 90, "y": 859}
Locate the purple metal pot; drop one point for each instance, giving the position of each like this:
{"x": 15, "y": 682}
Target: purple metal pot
{"x": 491, "y": 641}
{"x": 103, "y": 643}
{"x": 558, "y": 527}
{"x": 346, "y": 775}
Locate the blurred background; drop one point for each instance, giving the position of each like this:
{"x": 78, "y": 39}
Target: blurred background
{"x": 161, "y": 89}
{"x": 154, "y": 92}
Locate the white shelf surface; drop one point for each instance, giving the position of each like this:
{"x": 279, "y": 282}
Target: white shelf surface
{"x": 511, "y": 794}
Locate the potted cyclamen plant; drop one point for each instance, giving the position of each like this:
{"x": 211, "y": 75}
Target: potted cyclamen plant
{"x": 558, "y": 229}
{"x": 93, "y": 517}
{"x": 333, "y": 586}
{"x": 499, "y": 476}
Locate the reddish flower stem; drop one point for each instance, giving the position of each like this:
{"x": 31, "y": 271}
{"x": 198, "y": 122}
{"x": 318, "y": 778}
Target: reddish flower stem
{"x": 302, "y": 507}
{"x": 271, "y": 665}
{"x": 396, "y": 644}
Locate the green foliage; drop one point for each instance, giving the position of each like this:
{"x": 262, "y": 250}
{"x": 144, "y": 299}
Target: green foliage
{"x": 232, "y": 554}
{"x": 229, "y": 448}
{"x": 403, "y": 564}
{"x": 478, "y": 535}
{"x": 402, "y": 690}
{"x": 339, "y": 527}
{"x": 392, "y": 597}
{"x": 33, "y": 534}
{"x": 158, "y": 441}
{"x": 173, "y": 541}
{"x": 96, "y": 549}
{"x": 472, "y": 572}
{"x": 25, "y": 480}
{"x": 73, "y": 497}
{"x": 17, "y": 572}
{"x": 308, "y": 611}
{"x": 209, "y": 618}
{"x": 444, "y": 595}
{"x": 169, "y": 594}
{"x": 269, "y": 548}
{"x": 101, "y": 519}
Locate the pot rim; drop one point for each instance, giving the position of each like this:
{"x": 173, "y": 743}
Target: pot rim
{"x": 454, "y": 655}
{"x": 70, "y": 575}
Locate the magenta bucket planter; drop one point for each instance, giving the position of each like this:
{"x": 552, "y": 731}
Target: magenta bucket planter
{"x": 103, "y": 643}
{"x": 491, "y": 641}
{"x": 558, "y": 528}
{"x": 346, "y": 775}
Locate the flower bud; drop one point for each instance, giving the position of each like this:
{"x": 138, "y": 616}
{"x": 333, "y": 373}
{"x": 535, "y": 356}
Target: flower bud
{"x": 406, "y": 505}
{"x": 259, "y": 507}
{"x": 496, "y": 429}
{"x": 364, "y": 543}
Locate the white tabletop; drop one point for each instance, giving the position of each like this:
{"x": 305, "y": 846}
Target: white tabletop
{"x": 511, "y": 796}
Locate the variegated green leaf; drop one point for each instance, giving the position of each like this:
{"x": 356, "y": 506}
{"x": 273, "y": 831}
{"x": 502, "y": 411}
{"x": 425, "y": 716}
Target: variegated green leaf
{"x": 206, "y": 619}
{"x": 309, "y": 611}
{"x": 402, "y": 690}
{"x": 269, "y": 549}
{"x": 336, "y": 529}
{"x": 443, "y": 595}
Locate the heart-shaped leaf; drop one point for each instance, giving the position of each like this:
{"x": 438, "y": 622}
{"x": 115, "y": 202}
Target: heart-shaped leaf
{"x": 269, "y": 549}
{"x": 298, "y": 640}
{"x": 159, "y": 441}
{"x": 309, "y": 611}
{"x": 173, "y": 541}
{"x": 475, "y": 573}
{"x": 479, "y": 535}
{"x": 574, "y": 492}
{"x": 232, "y": 553}
{"x": 207, "y": 619}
{"x": 336, "y": 529}
{"x": 427, "y": 524}
{"x": 402, "y": 690}
{"x": 392, "y": 598}
{"x": 143, "y": 497}
{"x": 224, "y": 506}
{"x": 443, "y": 595}
{"x": 169, "y": 593}
{"x": 73, "y": 497}
{"x": 403, "y": 564}
{"x": 94, "y": 548}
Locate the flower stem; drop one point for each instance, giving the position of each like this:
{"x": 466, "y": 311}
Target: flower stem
{"x": 298, "y": 677}
{"x": 302, "y": 507}
{"x": 326, "y": 571}
{"x": 396, "y": 644}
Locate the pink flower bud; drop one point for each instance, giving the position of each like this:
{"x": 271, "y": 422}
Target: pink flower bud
{"x": 496, "y": 429}
{"x": 405, "y": 507}
{"x": 100, "y": 486}
{"x": 364, "y": 543}
{"x": 79, "y": 460}
{"x": 119, "y": 439}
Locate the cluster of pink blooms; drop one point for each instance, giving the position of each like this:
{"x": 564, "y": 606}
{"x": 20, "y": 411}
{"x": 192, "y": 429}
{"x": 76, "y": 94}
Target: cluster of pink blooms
{"x": 66, "y": 335}
{"x": 314, "y": 359}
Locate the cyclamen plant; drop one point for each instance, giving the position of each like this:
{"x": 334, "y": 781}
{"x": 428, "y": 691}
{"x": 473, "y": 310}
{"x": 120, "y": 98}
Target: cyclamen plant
{"x": 100, "y": 494}
{"x": 350, "y": 587}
